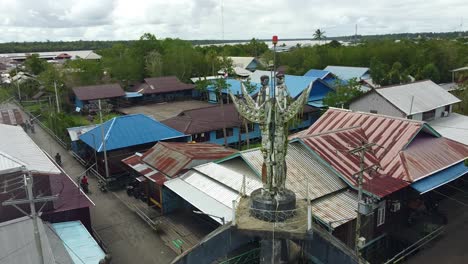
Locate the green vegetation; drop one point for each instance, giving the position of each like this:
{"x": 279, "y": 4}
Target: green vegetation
{"x": 344, "y": 93}
{"x": 391, "y": 62}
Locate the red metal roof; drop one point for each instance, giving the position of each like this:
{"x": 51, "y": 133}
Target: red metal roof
{"x": 406, "y": 150}
{"x": 172, "y": 158}
{"x": 95, "y": 92}
{"x": 427, "y": 155}
{"x": 11, "y": 117}
{"x": 165, "y": 84}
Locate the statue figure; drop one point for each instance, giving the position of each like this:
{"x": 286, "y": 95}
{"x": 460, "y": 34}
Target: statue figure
{"x": 272, "y": 113}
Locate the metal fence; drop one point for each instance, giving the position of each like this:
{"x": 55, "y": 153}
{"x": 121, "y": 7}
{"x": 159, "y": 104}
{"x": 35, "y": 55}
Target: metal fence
{"x": 251, "y": 256}
{"x": 417, "y": 245}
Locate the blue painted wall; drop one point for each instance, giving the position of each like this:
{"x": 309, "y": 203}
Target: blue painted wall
{"x": 79, "y": 103}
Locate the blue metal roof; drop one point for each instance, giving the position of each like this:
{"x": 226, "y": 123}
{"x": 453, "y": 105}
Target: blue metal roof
{"x": 440, "y": 178}
{"x": 78, "y": 242}
{"x": 235, "y": 87}
{"x": 347, "y": 73}
{"x": 128, "y": 130}
{"x": 317, "y": 73}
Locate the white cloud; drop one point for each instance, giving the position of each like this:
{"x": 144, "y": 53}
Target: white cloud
{"x": 27, "y": 20}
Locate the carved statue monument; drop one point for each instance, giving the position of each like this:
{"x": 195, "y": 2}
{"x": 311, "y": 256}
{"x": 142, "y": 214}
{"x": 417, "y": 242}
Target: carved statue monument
{"x": 272, "y": 110}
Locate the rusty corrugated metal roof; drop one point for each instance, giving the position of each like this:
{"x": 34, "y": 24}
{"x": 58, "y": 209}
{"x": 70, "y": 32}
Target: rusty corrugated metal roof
{"x": 406, "y": 150}
{"x": 11, "y": 117}
{"x": 426, "y": 155}
{"x": 336, "y": 209}
{"x": 302, "y": 168}
{"x": 173, "y": 158}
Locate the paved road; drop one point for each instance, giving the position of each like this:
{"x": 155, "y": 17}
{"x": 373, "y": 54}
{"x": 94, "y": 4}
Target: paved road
{"x": 452, "y": 247}
{"x": 128, "y": 238}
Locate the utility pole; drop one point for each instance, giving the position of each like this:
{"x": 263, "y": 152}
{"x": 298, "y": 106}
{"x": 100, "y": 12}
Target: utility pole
{"x": 103, "y": 142}
{"x": 56, "y": 97}
{"x": 361, "y": 151}
{"x": 28, "y": 182}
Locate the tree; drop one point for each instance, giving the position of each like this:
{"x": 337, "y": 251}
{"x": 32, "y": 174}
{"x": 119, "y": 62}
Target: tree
{"x": 319, "y": 35}
{"x": 154, "y": 64}
{"x": 344, "y": 93}
{"x": 34, "y": 64}
{"x": 431, "y": 72}
{"x": 219, "y": 86}
{"x": 378, "y": 71}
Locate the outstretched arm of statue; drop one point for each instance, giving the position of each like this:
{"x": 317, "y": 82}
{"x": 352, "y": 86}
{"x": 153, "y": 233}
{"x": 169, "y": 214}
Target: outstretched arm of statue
{"x": 297, "y": 105}
{"x": 252, "y": 114}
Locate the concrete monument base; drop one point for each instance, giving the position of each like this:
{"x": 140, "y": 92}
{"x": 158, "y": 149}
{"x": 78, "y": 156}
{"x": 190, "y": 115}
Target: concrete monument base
{"x": 273, "y": 208}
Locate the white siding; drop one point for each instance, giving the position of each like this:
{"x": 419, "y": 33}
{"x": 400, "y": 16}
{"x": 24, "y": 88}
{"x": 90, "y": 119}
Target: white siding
{"x": 374, "y": 101}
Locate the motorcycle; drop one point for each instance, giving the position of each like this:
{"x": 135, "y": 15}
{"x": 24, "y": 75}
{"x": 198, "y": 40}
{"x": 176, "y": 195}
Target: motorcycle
{"x": 85, "y": 188}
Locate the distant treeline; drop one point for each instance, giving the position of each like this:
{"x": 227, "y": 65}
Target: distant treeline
{"x": 12, "y": 47}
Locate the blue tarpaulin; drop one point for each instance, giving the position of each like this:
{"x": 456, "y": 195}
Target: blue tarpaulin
{"x": 440, "y": 178}
{"x": 78, "y": 242}
{"x": 132, "y": 94}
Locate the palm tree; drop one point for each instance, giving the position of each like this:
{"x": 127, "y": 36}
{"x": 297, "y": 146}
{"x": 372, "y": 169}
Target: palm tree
{"x": 319, "y": 35}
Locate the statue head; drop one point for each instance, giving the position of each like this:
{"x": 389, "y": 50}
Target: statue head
{"x": 280, "y": 78}
{"x": 264, "y": 80}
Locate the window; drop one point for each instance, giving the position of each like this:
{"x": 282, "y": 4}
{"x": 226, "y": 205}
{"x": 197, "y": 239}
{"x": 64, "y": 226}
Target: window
{"x": 429, "y": 115}
{"x": 381, "y": 215}
{"x": 410, "y": 117}
{"x": 447, "y": 108}
{"x": 229, "y": 133}
{"x": 201, "y": 137}
{"x": 251, "y": 127}
{"x": 373, "y": 111}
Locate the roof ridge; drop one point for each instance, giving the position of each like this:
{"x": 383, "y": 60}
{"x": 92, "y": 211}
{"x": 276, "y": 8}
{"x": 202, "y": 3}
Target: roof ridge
{"x": 404, "y": 84}
{"x": 379, "y": 115}
{"x": 331, "y": 132}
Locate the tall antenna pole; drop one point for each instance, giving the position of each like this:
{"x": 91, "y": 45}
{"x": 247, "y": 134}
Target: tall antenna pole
{"x": 355, "y": 34}
{"x": 222, "y": 18}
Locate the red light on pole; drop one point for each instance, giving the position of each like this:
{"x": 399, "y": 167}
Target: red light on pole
{"x": 275, "y": 40}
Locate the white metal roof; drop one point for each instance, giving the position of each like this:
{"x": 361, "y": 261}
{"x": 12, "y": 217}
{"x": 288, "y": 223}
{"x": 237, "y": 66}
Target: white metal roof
{"x": 242, "y": 72}
{"x": 17, "y": 242}
{"x": 9, "y": 164}
{"x": 242, "y": 62}
{"x": 427, "y": 96}
{"x": 17, "y": 144}
{"x": 302, "y": 168}
{"x": 212, "y": 187}
{"x": 75, "y": 132}
{"x": 201, "y": 193}
{"x": 84, "y": 54}
{"x": 454, "y": 127}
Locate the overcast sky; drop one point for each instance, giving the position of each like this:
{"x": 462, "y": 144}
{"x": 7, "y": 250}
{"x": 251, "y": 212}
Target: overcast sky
{"x": 40, "y": 20}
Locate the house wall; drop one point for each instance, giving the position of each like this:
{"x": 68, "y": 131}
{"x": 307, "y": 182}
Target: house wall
{"x": 438, "y": 114}
{"x": 373, "y": 101}
{"x": 234, "y": 139}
